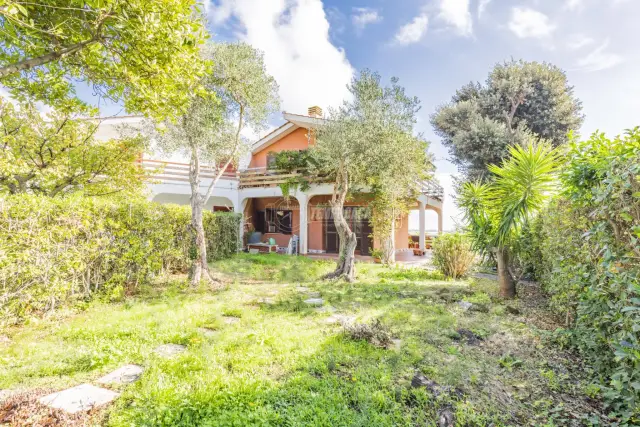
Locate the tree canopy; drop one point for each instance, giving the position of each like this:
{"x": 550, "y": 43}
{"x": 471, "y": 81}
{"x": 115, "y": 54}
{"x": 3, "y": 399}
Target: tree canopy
{"x": 59, "y": 154}
{"x": 143, "y": 52}
{"x": 519, "y": 100}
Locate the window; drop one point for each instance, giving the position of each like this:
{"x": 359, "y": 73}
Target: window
{"x": 278, "y": 221}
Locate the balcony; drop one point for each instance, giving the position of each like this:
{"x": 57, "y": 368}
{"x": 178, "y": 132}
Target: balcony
{"x": 165, "y": 171}
{"x": 263, "y": 177}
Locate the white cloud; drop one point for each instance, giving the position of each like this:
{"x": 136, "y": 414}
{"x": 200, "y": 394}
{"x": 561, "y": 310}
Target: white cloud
{"x": 574, "y": 4}
{"x": 413, "y": 31}
{"x": 578, "y": 41}
{"x": 363, "y": 16}
{"x": 527, "y": 22}
{"x": 297, "y": 50}
{"x": 456, "y": 13}
{"x": 482, "y": 7}
{"x": 599, "y": 59}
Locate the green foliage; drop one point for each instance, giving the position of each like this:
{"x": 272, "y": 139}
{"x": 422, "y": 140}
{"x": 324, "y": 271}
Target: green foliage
{"x": 369, "y": 142}
{"x": 453, "y": 254}
{"x": 296, "y": 161}
{"x": 64, "y": 250}
{"x": 590, "y": 245}
{"x": 520, "y": 100}
{"x": 59, "y": 154}
{"x": 143, "y": 52}
{"x": 497, "y": 210}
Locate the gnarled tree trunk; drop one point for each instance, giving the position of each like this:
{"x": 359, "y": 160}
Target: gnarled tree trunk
{"x": 505, "y": 280}
{"x": 345, "y": 267}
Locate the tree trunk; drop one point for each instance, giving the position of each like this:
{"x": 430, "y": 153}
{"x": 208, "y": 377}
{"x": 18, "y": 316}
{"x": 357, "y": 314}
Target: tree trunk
{"x": 345, "y": 267}
{"x": 198, "y": 249}
{"x": 505, "y": 280}
{"x": 388, "y": 240}
{"x": 199, "y": 267}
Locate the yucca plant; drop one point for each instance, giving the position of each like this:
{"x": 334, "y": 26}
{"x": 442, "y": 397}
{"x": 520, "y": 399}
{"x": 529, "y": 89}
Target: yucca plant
{"x": 497, "y": 209}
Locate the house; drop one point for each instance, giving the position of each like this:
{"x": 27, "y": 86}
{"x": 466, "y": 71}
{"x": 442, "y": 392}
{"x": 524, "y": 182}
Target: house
{"x": 254, "y": 192}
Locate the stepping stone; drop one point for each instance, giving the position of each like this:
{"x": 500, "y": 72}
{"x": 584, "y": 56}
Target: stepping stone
{"x": 302, "y": 289}
{"x": 229, "y": 320}
{"x": 326, "y": 309}
{"x": 267, "y": 301}
{"x": 397, "y": 344}
{"x": 465, "y": 305}
{"x": 169, "y": 350}
{"x": 340, "y": 318}
{"x": 79, "y": 398}
{"x": 314, "y": 301}
{"x": 314, "y": 294}
{"x": 124, "y": 375}
{"x": 207, "y": 332}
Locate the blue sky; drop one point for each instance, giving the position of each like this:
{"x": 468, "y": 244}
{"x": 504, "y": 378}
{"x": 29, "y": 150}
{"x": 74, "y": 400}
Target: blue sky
{"x": 313, "y": 47}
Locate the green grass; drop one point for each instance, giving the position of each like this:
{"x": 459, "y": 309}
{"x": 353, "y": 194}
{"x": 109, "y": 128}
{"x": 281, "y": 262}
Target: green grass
{"x": 281, "y": 363}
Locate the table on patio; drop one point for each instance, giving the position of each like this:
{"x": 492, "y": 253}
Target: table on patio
{"x": 262, "y": 247}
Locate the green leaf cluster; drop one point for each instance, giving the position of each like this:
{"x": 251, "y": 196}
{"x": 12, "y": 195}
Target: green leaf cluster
{"x": 58, "y": 154}
{"x": 145, "y": 53}
{"x": 56, "y": 251}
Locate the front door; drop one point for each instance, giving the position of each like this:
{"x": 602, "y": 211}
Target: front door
{"x": 358, "y": 223}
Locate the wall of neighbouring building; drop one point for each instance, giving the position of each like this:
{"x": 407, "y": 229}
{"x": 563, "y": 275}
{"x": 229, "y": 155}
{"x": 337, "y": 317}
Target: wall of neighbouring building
{"x": 296, "y": 140}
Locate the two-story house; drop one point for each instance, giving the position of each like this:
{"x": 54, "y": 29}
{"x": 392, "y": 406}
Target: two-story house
{"x": 254, "y": 192}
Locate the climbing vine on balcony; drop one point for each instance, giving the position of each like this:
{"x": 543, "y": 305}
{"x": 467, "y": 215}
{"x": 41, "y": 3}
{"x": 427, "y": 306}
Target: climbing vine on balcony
{"x": 300, "y": 162}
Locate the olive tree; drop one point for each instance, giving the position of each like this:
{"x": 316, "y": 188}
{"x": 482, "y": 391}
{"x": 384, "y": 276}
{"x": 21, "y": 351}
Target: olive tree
{"x": 360, "y": 147}
{"x": 520, "y": 100}
{"x": 239, "y": 95}
{"x": 143, "y": 52}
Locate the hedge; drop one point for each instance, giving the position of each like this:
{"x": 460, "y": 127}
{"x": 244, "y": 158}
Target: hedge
{"x": 55, "y": 251}
{"x": 586, "y": 253}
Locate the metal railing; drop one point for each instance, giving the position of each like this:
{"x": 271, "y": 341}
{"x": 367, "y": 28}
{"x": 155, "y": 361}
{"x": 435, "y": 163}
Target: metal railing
{"x": 432, "y": 189}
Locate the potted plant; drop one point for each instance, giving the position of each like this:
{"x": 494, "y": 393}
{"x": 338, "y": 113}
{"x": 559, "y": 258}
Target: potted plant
{"x": 377, "y": 256}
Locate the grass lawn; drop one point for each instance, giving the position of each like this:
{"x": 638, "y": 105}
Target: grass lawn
{"x": 258, "y": 355}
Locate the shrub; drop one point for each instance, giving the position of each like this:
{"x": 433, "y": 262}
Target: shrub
{"x": 453, "y": 255}
{"x": 56, "y": 250}
{"x": 589, "y": 241}
{"x": 375, "y": 333}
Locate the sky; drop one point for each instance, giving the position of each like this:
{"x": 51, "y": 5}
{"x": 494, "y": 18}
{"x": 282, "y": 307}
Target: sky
{"x": 314, "y": 47}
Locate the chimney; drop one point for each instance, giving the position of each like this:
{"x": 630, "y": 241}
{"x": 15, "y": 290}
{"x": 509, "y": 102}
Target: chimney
{"x": 315, "y": 111}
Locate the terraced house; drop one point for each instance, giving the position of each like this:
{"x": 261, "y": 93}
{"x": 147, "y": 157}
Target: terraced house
{"x": 254, "y": 191}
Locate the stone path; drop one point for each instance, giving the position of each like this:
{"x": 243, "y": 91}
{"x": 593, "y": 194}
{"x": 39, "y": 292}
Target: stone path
{"x": 169, "y": 350}
{"x": 230, "y": 320}
{"x": 125, "y": 375}
{"x": 79, "y": 398}
{"x": 316, "y": 302}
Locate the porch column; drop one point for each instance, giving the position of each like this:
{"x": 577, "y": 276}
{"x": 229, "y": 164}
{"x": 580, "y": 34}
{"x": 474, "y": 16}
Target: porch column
{"x": 422, "y": 226}
{"x": 439, "y": 221}
{"x": 303, "y": 201}
{"x": 239, "y": 209}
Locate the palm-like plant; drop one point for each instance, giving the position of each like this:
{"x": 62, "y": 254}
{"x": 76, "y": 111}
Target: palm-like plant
{"x": 496, "y": 210}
